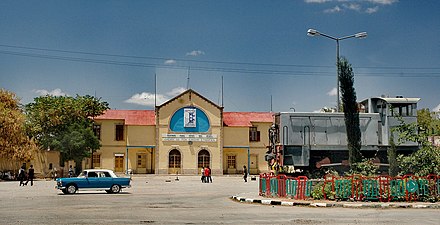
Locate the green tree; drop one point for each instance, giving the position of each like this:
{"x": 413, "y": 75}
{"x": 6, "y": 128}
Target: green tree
{"x": 75, "y": 143}
{"x": 424, "y": 161}
{"x": 351, "y": 113}
{"x": 393, "y": 169}
{"x": 428, "y": 122}
{"x": 51, "y": 118}
{"x": 14, "y": 143}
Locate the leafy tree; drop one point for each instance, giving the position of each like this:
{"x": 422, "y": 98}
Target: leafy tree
{"x": 424, "y": 161}
{"x": 428, "y": 122}
{"x": 75, "y": 143}
{"x": 14, "y": 144}
{"x": 351, "y": 113}
{"x": 51, "y": 119}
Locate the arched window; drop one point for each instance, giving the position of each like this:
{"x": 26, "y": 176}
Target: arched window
{"x": 174, "y": 159}
{"x": 204, "y": 158}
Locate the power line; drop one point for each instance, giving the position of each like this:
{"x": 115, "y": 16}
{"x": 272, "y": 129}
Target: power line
{"x": 207, "y": 61}
{"x": 161, "y": 58}
{"x": 222, "y": 69}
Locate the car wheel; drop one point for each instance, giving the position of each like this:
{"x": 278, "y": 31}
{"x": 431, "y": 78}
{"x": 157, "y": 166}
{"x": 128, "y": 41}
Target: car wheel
{"x": 115, "y": 189}
{"x": 71, "y": 189}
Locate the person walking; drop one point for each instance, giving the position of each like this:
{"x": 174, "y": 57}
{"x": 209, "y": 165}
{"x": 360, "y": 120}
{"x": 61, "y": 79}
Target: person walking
{"x": 208, "y": 179}
{"x": 71, "y": 171}
{"x": 245, "y": 173}
{"x": 30, "y": 175}
{"x": 206, "y": 172}
{"x": 21, "y": 174}
{"x": 203, "y": 174}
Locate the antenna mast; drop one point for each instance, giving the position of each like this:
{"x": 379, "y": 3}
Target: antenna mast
{"x": 187, "y": 79}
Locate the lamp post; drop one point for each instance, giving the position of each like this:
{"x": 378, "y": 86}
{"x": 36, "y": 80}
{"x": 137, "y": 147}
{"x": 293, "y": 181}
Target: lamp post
{"x": 313, "y": 32}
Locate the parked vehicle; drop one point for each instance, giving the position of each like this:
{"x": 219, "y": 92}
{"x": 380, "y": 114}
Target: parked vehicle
{"x": 93, "y": 179}
{"x": 307, "y": 141}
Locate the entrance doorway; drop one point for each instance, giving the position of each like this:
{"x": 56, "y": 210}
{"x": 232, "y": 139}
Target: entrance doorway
{"x": 119, "y": 162}
{"x": 203, "y": 160}
{"x": 253, "y": 164}
{"x": 174, "y": 162}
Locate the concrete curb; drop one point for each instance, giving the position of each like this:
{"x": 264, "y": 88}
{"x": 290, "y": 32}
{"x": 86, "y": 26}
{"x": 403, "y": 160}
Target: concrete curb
{"x": 382, "y": 205}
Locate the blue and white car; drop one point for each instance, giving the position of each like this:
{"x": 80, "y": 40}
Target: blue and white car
{"x": 93, "y": 179}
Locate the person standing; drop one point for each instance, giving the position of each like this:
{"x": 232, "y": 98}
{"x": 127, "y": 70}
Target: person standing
{"x": 206, "y": 174}
{"x": 208, "y": 179}
{"x": 245, "y": 173}
{"x": 55, "y": 173}
{"x": 203, "y": 174}
{"x": 21, "y": 174}
{"x": 30, "y": 175}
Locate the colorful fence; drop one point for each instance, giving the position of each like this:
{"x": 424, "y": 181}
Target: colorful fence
{"x": 284, "y": 186}
{"x": 357, "y": 187}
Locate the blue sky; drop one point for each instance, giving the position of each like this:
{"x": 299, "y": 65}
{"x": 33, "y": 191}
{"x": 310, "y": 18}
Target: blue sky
{"x": 114, "y": 49}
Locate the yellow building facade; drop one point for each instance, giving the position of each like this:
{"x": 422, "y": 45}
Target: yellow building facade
{"x": 181, "y": 136}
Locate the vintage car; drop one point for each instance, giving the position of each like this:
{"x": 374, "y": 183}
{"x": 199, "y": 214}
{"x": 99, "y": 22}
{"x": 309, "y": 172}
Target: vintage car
{"x": 93, "y": 179}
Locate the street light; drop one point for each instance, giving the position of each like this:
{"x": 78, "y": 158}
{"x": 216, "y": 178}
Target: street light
{"x": 313, "y": 32}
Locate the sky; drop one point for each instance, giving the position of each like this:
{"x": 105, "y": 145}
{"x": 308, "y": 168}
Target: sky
{"x": 246, "y": 55}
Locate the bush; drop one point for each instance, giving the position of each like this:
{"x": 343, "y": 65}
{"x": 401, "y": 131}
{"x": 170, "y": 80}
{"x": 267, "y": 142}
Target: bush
{"x": 317, "y": 193}
{"x": 365, "y": 168}
{"x": 423, "y": 162}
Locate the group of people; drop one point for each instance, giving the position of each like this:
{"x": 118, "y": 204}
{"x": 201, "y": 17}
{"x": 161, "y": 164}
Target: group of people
{"x": 23, "y": 176}
{"x": 206, "y": 175}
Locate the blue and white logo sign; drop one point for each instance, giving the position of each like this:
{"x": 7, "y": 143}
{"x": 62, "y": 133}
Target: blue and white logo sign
{"x": 189, "y": 115}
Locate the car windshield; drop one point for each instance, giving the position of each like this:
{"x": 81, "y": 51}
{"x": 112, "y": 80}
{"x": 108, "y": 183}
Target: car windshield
{"x": 83, "y": 174}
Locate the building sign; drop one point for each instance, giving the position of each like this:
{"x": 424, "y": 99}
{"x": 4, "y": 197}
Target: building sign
{"x": 189, "y": 116}
{"x": 190, "y": 137}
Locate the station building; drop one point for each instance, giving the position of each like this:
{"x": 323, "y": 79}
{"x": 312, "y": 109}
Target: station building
{"x": 181, "y": 136}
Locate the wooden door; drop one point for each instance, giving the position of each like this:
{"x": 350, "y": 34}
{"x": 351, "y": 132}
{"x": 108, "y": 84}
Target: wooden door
{"x": 119, "y": 163}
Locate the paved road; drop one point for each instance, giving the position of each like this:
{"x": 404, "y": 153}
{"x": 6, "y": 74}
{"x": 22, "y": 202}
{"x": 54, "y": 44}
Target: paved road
{"x": 152, "y": 200}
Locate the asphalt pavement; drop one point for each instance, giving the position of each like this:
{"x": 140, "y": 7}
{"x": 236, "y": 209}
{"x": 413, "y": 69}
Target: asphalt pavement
{"x": 169, "y": 199}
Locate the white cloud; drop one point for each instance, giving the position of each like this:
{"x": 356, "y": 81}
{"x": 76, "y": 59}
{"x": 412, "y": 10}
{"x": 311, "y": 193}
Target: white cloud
{"x": 353, "y": 6}
{"x": 317, "y": 1}
{"x": 176, "y": 91}
{"x": 383, "y": 2}
{"x": 147, "y": 99}
{"x": 379, "y": 2}
{"x": 372, "y": 10}
{"x": 336, "y": 6}
{"x": 195, "y": 53}
{"x": 335, "y": 9}
{"x": 436, "y": 109}
{"x": 332, "y": 92}
{"x": 170, "y": 62}
{"x": 55, "y": 92}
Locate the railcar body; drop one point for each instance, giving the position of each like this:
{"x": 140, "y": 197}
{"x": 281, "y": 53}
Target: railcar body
{"x": 311, "y": 140}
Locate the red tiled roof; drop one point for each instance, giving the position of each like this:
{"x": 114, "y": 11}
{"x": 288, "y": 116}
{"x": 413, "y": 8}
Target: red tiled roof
{"x": 131, "y": 117}
{"x": 245, "y": 119}
{"x": 147, "y": 117}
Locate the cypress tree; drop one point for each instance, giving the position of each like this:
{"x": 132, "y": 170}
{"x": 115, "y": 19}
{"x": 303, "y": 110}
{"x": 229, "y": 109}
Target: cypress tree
{"x": 351, "y": 113}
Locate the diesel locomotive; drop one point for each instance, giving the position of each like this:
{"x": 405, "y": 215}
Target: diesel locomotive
{"x": 308, "y": 141}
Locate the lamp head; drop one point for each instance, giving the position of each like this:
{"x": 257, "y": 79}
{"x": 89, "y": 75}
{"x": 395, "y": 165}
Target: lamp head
{"x": 312, "y": 32}
{"x": 361, "y": 35}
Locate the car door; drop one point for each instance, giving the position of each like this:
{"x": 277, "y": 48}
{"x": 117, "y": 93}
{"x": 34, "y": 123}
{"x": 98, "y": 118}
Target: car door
{"x": 92, "y": 180}
{"x": 105, "y": 180}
